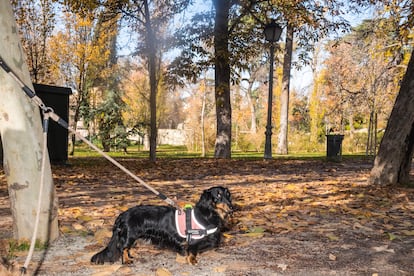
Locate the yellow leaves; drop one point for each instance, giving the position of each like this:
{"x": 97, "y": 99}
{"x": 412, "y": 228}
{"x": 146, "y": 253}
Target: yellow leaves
{"x": 162, "y": 272}
{"x": 407, "y": 232}
{"x": 228, "y": 236}
{"x": 181, "y": 259}
{"x": 220, "y": 269}
{"x": 392, "y": 236}
{"x": 85, "y": 218}
{"x": 291, "y": 187}
{"x": 102, "y": 235}
{"x": 332, "y": 237}
{"x": 255, "y": 232}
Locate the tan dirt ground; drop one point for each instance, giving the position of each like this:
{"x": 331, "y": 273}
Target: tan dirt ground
{"x": 293, "y": 217}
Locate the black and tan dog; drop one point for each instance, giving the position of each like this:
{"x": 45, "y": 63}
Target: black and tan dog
{"x": 161, "y": 225}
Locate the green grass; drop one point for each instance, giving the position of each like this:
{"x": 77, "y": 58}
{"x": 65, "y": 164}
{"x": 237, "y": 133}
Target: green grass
{"x": 179, "y": 152}
{"x": 23, "y": 245}
{"x": 163, "y": 151}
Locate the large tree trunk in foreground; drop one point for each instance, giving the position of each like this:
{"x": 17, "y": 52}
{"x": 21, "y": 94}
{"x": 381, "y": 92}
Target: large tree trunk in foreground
{"x": 21, "y": 133}
{"x": 222, "y": 79}
{"x": 393, "y": 163}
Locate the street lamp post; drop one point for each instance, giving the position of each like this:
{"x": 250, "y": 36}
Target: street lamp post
{"x": 272, "y": 32}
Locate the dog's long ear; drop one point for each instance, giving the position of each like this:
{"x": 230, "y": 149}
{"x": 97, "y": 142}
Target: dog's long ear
{"x": 206, "y": 200}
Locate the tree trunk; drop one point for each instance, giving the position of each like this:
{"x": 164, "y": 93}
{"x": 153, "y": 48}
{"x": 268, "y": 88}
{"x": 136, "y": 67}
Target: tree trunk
{"x": 315, "y": 110}
{"x": 21, "y": 132}
{"x": 203, "y": 90}
{"x": 249, "y": 96}
{"x": 222, "y": 79}
{"x": 393, "y": 163}
{"x": 282, "y": 147}
{"x": 152, "y": 60}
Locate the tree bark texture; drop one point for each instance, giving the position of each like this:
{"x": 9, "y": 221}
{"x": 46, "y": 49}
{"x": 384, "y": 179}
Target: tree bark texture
{"x": 392, "y": 164}
{"x": 21, "y": 133}
{"x": 222, "y": 79}
{"x": 282, "y": 146}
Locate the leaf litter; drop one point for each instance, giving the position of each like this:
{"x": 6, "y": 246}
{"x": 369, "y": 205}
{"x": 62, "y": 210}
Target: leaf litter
{"x": 293, "y": 217}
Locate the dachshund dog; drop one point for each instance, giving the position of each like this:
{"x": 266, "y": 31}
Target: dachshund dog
{"x": 161, "y": 225}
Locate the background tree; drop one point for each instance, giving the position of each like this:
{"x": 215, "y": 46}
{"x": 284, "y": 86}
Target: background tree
{"x": 150, "y": 21}
{"x": 81, "y": 54}
{"x": 282, "y": 146}
{"x": 316, "y": 108}
{"x": 135, "y": 95}
{"x": 222, "y": 79}
{"x": 21, "y": 133}
{"x": 392, "y": 164}
{"x": 245, "y": 20}
{"x": 36, "y": 21}
{"x": 360, "y": 80}
{"x": 200, "y": 116}
{"x": 231, "y": 40}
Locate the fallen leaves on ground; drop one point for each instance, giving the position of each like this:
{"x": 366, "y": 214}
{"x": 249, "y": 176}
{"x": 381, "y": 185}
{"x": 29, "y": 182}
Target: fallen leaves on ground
{"x": 299, "y": 200}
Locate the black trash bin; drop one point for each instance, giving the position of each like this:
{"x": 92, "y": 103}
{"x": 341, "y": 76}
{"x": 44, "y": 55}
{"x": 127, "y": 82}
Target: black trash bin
{"x": 57, "y": 137}
{"x": 334, "y": 147}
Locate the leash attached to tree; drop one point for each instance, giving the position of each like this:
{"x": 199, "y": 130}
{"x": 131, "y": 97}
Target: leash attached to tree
{"x": 63, "y": 123}
{"x": 49, "y": 113}
{"x": 42, "y": 181}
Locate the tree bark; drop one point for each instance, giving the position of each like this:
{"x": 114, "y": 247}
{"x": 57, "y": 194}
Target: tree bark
{"x": 152, "y": 62}
{"x": 222, "y": 79}
{"x": 21, "y": 132}
{"x": 282, "y": 146}
{"x": 392, "y": 165}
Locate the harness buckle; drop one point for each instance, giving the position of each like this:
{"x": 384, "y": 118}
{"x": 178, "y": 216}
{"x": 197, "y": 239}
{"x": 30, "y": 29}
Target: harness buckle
{"x": 189, "y": 231}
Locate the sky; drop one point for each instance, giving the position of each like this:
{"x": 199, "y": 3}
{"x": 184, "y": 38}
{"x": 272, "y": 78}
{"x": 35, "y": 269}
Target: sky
{"x": 301, "y": 80}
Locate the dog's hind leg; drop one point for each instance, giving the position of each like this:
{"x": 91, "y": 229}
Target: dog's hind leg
{"x": 127, "y": 243}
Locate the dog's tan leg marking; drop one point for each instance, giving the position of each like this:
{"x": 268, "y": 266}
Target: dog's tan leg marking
{"x": 191, "y": 259}
{"x": 125, "y": 257}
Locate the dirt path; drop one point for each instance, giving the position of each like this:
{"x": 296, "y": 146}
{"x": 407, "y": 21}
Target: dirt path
{"x": 293, "y": 218}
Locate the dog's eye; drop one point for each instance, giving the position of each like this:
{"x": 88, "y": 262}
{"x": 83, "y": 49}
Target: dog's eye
{"x": 217, "y": 197}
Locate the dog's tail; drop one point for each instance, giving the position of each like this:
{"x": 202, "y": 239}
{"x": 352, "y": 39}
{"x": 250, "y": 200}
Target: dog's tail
{"x": 112, "y": 252}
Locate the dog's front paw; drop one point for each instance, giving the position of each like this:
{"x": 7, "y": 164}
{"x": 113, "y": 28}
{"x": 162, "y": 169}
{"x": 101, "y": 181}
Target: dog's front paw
{"x": 191, "y": 259}
{"x": 126, "y": 257}
{"x": 128, "y": 262}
